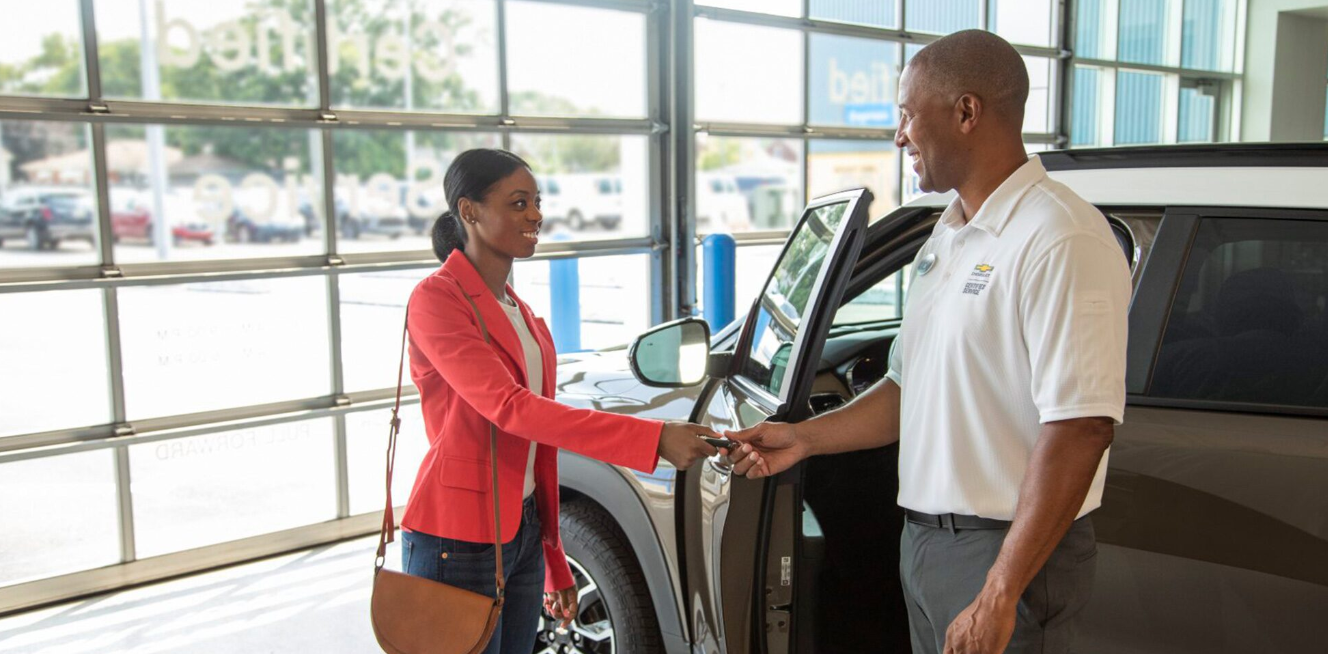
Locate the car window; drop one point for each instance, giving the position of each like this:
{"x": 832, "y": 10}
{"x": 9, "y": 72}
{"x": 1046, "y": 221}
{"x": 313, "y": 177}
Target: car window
{"x": 784, "y": 300}
{"x": 883, "y": 301}
{"x": 1250, "y": 321}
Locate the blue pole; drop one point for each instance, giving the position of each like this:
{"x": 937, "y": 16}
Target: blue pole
{"x": 565, "y": 301}
{"x": 719, "y": 254}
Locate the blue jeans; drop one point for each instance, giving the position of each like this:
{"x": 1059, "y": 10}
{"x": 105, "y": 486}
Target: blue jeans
{"x": 471, "y": 566}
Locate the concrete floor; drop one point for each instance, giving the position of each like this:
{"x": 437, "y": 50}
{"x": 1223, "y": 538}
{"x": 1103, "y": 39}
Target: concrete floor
{"x": 311, "y": 601}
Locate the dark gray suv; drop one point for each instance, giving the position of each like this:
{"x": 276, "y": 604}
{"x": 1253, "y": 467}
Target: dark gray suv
{"x": 1213, "y": 533}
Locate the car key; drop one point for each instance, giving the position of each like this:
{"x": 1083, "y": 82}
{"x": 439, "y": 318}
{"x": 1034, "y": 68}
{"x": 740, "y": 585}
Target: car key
{"x": 722, "y": 442}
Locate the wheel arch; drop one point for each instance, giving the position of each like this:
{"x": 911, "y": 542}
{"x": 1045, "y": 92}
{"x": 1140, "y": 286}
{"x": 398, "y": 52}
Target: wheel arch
{"x": 600, "y": 483}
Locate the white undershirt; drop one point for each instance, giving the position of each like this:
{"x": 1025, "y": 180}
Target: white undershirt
{"x": 534, "y": 373}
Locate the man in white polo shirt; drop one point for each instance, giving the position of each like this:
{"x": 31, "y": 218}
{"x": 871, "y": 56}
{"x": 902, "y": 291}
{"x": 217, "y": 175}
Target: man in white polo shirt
{"x": 1007, "y": 377}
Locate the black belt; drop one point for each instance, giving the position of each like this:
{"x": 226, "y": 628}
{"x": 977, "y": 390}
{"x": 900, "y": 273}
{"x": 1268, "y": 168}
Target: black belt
{"x": 953, "y": 521}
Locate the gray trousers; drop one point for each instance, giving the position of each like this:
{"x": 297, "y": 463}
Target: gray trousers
{"x": 942, "y": 572}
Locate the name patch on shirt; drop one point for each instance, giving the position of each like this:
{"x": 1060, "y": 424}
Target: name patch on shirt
{"x": 978, "y": 279}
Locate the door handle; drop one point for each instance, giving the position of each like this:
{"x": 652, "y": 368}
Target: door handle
{"x": 720, "y": 464}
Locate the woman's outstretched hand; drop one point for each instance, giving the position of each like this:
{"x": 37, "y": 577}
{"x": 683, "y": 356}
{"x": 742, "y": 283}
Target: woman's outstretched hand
{"x": 681, "y": 444}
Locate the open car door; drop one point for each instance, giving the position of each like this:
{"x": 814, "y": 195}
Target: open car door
{"x": 738, "y": 535}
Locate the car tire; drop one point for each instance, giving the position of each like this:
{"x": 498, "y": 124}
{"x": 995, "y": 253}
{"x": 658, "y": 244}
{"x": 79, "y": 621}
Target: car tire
{"x": 616, "y": 613}
{"x": 575, "y": 220}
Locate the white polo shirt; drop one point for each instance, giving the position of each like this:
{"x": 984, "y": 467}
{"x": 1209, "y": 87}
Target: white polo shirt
{"x": 1020, "y": 320}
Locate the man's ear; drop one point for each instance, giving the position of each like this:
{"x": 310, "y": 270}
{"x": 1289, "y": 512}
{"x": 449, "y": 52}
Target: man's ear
{"x": 968, "y": 109}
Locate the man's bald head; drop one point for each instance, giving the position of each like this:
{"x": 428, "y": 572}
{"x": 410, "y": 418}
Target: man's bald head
{"x": 976, "y": 62}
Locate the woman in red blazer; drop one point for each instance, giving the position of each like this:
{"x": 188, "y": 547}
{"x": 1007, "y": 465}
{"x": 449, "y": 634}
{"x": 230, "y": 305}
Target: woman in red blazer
{"x": 465, "y": 383}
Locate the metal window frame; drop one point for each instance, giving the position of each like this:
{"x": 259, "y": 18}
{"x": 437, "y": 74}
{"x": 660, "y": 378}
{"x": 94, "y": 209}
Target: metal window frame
{"x": 1230, "y": 83}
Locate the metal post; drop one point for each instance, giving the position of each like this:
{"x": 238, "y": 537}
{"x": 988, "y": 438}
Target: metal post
{"x": 565, "y": 301}
{"x": 150, "y": 75}
{"x": 683, "y": 158}
{"x": 720, "y": 262}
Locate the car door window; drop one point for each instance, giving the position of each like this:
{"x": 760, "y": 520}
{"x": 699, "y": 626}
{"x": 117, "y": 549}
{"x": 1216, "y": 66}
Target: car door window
{"x": 1249, "y": 323}
{"x": 786, "y": 296}
{"x": 883, "y": 301}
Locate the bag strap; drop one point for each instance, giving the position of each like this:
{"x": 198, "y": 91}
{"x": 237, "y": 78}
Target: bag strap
{"x": 389, "y": 523}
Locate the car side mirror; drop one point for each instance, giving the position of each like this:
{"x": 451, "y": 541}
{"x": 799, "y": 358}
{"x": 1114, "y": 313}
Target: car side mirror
{"x": 672, "y": 355}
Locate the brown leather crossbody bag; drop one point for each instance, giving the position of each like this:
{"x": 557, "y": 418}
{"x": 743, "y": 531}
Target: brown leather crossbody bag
{"x": 414, "y": 615}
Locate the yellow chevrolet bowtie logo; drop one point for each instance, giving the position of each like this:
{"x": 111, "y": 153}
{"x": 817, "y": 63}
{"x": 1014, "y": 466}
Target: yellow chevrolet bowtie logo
{"x": 983, "y": 268}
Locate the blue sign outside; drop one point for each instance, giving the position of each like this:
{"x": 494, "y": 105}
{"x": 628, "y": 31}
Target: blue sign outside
{"x": 876, "y": 114}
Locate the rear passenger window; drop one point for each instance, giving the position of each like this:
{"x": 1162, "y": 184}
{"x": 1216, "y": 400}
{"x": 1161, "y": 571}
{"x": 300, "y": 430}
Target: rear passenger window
{"x": 1250, "y": 320}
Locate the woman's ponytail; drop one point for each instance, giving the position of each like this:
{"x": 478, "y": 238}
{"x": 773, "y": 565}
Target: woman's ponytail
{"x": 448, "y": 235}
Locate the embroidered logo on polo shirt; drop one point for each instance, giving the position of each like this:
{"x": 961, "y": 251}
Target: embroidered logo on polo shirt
{"x": 978, "y": 279}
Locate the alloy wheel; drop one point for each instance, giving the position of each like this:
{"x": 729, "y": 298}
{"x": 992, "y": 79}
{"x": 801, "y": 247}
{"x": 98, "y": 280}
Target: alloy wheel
{"x": 592, "y": 630}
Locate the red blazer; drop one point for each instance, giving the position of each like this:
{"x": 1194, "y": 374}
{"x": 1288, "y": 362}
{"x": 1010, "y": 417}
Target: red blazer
{"x": 464, "y": 384}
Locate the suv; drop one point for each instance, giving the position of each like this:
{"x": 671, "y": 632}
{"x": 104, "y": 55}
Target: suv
{"x": 1212, "y": 533}
{"x": 45, "y": 216}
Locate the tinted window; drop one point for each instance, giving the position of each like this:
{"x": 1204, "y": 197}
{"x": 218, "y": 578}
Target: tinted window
{"x": 1250, "y": 320}
{"x": 784, "y": 301}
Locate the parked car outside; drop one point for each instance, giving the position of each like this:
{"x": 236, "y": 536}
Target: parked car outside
{"x": 1211, "y": 535}
{"x": 583, "y": 199}
{"x": 240, "y": 228}
{"x": 131, "y": 218}
{"x": 720, "y": 206}
{"x": 44, "y": 216}
{"x": 370, "y": 214}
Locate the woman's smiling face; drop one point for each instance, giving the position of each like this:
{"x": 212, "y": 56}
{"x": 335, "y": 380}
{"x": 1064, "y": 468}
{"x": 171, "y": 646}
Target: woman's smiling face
{"x": 508, "y": 220}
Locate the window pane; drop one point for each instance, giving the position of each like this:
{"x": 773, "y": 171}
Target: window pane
{"x": 57, "y": 515}
{"x": 202, "y": 490}
{"x": 373, "y": 308}
{"x": 746, "y": 184}
{"x": 39, "y": 377}
{"x": 1143, "y": 31}
{"x": 883, "y": 301}
{"x": 1095, "y": 29}
{"x": 43, "y": 51}
{"x": 751, "y": 269}
{"x": 1197, "y": 113}
{"x": 226, "y": 192}
{"x": 748, "y": 74}
{"x": 1092, "y": 88}
{"x": 609, "y": 294}
{"x": 1248, "y": 320}
{"x": 942, "y": 16}
{"x": 1038, "y": 109}
{"x": 1208, "y": 34}
{"x": 389, "y": 186}
{"x": 1021, "y": 21}
{"x": 776, "y": 7}
{"x": 213, "y": 345}
{"x": 366, "y": 448}
{"x": 591, "y": 186}
{"x": 208, "y": 51}
{"x": 1138, "y": 108}
{"x": 834, "y": 166}
{"x": 881, "y": 13}
{"x": 559, "y": 59}
{"x": 442, "y": 57}
{"x": 48, "y": 210}
{"x": 853, "y": 82}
